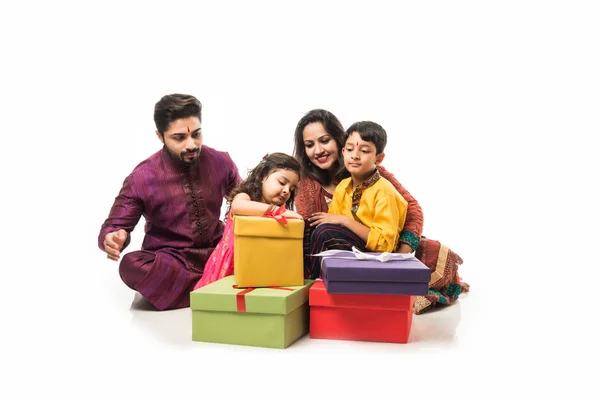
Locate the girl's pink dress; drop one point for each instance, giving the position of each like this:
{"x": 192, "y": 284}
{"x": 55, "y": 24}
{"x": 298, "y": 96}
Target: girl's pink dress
{"x": 220, "y": 263}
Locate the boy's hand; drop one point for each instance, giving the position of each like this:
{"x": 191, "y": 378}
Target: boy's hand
{"x": 113, "y": 242}
{"x": 319, "y": 218}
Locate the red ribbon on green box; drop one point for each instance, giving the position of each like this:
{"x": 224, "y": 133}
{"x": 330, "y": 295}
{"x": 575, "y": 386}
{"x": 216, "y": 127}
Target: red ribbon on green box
{"x": 240, "y": 298}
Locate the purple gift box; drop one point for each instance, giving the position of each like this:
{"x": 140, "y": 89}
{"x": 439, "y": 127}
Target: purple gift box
{"x": 349, "y": 275}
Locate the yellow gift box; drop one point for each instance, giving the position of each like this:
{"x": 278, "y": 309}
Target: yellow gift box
{"x": 267, "y": 252}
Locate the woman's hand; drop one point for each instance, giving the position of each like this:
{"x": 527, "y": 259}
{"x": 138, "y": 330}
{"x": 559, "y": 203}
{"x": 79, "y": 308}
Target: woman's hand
{"x": 405, "y": 248}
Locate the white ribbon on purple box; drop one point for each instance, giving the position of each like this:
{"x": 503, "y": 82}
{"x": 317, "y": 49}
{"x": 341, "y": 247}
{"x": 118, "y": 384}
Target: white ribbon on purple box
{"x": 356, "y": 254}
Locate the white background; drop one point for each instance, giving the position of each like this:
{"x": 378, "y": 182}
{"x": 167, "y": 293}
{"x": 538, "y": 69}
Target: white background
{"x": 490, "y": 108}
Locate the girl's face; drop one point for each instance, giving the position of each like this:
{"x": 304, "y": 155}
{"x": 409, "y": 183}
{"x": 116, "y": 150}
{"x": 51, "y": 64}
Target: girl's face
{"x": 278, "y": 186}
{"x": 320, "y": 147}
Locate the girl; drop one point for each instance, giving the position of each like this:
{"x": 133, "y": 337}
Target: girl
{"x": 270, "y": 185}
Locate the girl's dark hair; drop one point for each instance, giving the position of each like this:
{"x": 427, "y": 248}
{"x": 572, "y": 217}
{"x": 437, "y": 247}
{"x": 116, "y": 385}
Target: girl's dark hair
{"x": 173, "y": 107}
{"x": 252, "y": 186}
{"x": 334, "y": 128}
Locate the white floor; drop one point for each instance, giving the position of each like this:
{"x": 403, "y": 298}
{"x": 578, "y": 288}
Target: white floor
{"x": 98, "y": 338}
{"x": 174, "y": 328}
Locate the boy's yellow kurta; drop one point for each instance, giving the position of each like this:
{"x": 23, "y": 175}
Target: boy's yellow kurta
{"x": 381, "y": 208}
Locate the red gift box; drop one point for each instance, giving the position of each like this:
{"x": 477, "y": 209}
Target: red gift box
{"x": 363, "y": 317}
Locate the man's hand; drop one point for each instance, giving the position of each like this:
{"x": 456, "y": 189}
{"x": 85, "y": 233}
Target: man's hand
{"x": 113, "y": 243}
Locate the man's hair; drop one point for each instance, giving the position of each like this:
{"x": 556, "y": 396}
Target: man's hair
{"x": 173, "y": 107}
{"x": 369, "y": 132}
{"x": 252, "y": 186}
{"x": 334, "y": 128}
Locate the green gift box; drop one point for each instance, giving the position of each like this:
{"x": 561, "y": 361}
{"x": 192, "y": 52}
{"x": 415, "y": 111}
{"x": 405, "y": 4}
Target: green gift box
{"x": 272, "y": 317}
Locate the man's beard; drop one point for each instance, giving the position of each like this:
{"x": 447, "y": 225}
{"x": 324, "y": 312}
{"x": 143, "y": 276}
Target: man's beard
{"x": 181, "y": 156}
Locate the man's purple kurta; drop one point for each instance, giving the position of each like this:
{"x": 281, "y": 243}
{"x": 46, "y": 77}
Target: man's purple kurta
{"x": 182, "y": 207}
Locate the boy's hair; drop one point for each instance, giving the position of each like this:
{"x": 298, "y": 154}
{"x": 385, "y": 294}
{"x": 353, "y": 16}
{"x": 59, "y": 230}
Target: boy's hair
{"x": 173, "y": 107}
{"x": 334, "y": 128}
{"x": 369, "y": 132}
{"x": 252, "y": 186}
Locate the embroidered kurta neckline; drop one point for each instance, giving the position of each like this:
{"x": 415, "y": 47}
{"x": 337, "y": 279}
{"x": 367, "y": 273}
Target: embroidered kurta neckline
{"x": 357, "y": 194}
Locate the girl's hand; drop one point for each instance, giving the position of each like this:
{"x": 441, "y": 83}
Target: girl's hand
{"x": 319, "y": 218}
{"x": 292, "y": 214}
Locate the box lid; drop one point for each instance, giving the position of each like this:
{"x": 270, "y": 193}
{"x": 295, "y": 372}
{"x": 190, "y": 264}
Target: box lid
{"x": 268, "y": 227}
{"x": 223, "y": 295}
{"x": 348, "y": 268}
{"x": 320, "y": 297}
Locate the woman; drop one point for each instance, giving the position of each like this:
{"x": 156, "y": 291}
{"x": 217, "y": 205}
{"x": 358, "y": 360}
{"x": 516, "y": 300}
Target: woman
{"x": 318, "y": 147}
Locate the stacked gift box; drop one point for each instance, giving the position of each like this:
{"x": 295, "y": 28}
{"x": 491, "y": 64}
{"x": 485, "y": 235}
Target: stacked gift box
{"x": 368, "y": 298}
{"x": 265, "y": 302}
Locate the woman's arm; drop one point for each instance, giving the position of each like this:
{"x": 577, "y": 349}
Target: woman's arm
{"x": 302, "y": 199}
{"x": 309, "y": 198}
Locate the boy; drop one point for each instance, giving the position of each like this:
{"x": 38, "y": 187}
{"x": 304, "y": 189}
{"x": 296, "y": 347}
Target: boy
{"x": 366, "y": 210}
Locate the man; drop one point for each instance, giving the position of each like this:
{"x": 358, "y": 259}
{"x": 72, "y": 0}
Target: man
{"x": 179, "y": 190}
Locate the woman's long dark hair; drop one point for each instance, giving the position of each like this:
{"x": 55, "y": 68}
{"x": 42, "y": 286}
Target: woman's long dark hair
{"x": 252, "y": 186}
{"x": 334, "y": 128}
